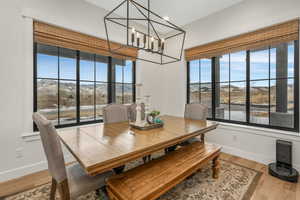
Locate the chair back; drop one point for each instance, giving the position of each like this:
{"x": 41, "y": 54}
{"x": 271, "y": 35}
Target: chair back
{"x": 196, "y": 111}
{"x": 132, "y": 111}
{"x": 52, "y": 147}
{"x": 114, "y": 113}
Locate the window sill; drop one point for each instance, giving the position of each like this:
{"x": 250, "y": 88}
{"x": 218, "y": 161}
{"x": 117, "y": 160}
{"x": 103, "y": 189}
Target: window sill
{"x": 267, "y": 132}
{"x": 35, "y": 136}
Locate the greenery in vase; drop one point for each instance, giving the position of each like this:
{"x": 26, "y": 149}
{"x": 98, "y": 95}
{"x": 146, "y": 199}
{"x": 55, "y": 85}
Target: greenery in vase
{"x": 154, "y": 113}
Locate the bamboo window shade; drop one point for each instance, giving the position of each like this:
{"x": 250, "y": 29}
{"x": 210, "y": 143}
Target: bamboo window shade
{"x": 268, "y": 36}
{"x": 57, "y": 36}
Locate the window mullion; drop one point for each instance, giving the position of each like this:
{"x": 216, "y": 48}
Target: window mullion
{"x": 269, "y": 108}
{"x": 199, "y": 86}
{"x": 78, "y": 86}
{"x": 94, "y": 86}
{"x": 229, "y": 86}
{"x": 58, "y": 84}
{"x": 296, "y": 85}
{"x": 213, "y": 88}
{"x": 133, "y": 81}
{"x": 248, "y": 86}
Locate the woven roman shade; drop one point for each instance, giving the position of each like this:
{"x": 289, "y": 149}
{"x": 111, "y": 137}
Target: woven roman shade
{"x": 272, "y": 35}
{"x": 57, "y": 36}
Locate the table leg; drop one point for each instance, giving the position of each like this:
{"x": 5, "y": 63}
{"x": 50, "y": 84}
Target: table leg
{"x": 119, "y": 170}
{"x": 216, "y": 167}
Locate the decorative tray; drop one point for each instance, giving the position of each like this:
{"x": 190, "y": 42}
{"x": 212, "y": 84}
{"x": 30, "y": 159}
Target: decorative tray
{"x": 146, "y": 126}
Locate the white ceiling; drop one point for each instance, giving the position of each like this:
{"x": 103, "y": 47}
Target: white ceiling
{"x": 180, "y": 12}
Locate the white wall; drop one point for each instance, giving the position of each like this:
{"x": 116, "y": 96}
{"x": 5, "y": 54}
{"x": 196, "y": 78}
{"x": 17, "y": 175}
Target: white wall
{"x": 16, "y": 74}
{"x": 249, "y": 15}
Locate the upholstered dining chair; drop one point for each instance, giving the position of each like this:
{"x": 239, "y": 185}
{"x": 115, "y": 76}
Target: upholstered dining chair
{"x": 71, "y": 181}
{"x": 114, "y": 113}
{"x": 132, "y": 112}
{"x": 195, "y": 111}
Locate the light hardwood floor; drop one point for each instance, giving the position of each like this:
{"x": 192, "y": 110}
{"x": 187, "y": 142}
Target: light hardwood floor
{"x": 269, "y": 188}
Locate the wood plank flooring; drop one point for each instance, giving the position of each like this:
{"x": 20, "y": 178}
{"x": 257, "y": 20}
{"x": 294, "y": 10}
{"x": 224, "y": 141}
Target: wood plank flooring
{"x": 269, "y": 188}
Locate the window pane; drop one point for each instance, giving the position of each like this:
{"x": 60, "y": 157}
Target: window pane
{"x": 194, "y": 71}
{"x": 101, "y": 98}
{"x": 238, "y": 101}
{"x": 259, "y": 64}
{"x": 291, "y": 52}
{"x": 86, "y": 101}
{"x": 47, "y": 99}
{"x": 87, "y": 66}
{"x": 259, "y": 102}
{"x": 282, "y": 103}
{"x": 47, "y": 61}
{"x": 205, "y": 67}
{"x": 101, "y": 68}
{"x": 194, "y": 93}
{"x": 128, "y": 91}
{"x": 222, "y": 100}
{"x": 119, "y": 93}
{"x": 206, "y": 96}
{"x": 67, "y": 64}
{"x": 282, "y": 61}
{"x": 67, "y": 102}
{"x": 119, "y": 73}
{"x": 273, "y": 63}
{"x": 128, "y": 72}
{"x": 224, "y": 69}
{"x": 238, "y": 66}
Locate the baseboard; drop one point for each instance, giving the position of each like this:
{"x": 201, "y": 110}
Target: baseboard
{"x": 251, "y": 156}
{"x": 26, "y": 170}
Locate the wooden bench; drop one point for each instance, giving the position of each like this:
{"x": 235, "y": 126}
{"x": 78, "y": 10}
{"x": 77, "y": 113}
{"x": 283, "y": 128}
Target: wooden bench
{"x": 151, "y": 180}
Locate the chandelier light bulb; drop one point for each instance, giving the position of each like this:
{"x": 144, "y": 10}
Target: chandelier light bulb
{"x": 138, "y": 39}
{"x": 166, "y": 18}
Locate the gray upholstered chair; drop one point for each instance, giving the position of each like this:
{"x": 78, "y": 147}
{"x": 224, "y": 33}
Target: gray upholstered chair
{"x": 195, "y": 111}
{"x": 132, "y": 112}
{"x": 114, "y": 113}
{"x": 71, "y": 181}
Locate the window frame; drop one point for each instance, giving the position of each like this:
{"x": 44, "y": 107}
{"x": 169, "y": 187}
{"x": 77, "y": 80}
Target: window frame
{"x": 248, "y": 93}
{"x": 110, "y": 86}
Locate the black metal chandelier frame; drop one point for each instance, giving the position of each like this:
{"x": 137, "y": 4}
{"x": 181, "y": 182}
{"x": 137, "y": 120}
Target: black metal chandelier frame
{"x": 147, "y": 45}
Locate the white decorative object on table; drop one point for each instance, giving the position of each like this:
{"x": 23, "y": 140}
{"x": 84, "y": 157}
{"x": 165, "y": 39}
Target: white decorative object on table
{"x": 138, "y": 119}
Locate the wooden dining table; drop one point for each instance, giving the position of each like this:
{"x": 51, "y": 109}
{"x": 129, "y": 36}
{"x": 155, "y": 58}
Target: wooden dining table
{"x": 102, "y": 147}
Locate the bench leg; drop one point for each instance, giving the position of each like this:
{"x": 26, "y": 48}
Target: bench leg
{"x": 216, "y": 167}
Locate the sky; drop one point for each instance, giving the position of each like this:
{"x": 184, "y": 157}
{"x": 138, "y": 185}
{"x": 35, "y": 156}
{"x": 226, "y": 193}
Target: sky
{"x": 47, "y": 67}
{"x": 259, "y": 67}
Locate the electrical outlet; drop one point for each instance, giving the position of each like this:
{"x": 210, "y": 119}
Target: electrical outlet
{"x": 19, "y": 153}
{"x": 234, "y": 138}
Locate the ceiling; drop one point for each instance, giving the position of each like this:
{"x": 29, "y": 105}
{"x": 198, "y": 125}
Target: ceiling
{"x": 180, "y": 12}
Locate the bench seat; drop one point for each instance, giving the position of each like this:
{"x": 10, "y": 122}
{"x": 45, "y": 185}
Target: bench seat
{"x": 151, "y": 180}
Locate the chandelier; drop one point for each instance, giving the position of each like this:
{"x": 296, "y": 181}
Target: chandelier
{"x": 155, "y": 38}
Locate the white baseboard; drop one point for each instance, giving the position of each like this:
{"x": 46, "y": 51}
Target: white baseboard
{"x": 251, "y": 156}
{"x": 26, "y": 170}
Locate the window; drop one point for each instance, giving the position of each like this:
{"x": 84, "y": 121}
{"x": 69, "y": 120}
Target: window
{"x": 71, "y": 87}
{"x": 123, "y": 81}
{"x": 200, "y": 82}
{"x": 254, "y": 87}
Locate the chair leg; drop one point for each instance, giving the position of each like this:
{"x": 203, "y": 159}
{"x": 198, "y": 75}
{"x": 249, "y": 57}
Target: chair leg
{"x": 119, "y": 170}
{"x": 64, "y": 191}
{"x": 53, "y": 189}
{"x": 216, "y": 167}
